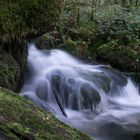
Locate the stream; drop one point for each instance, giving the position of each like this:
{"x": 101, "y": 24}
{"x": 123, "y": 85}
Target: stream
{"x": 96, "y": 99}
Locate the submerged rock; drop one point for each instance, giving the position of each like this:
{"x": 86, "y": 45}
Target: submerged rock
{"x": 75, "y": 105}
{"x": 42, "y": 90}
{"x": 20, "y": 119}
{"x": 71, "y": 81}
{"x": 101, "y": 80}
{"x": 56, "y": 80}
{"x": 116, "y": 76}
{"x": 68, "y": 90}
{"x": 90, "y": 96}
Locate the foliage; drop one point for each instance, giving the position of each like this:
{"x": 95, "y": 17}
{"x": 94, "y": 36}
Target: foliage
{"x": 9, "y": 71}
{"x": 23, "y": 18}
{"x": 101, "y": 24}
{"x": 70, "y": 45}
{"x": 118, "y": 22}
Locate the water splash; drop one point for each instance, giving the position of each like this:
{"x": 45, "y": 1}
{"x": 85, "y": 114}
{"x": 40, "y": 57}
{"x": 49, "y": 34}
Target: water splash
{"x": 94, "y": 98}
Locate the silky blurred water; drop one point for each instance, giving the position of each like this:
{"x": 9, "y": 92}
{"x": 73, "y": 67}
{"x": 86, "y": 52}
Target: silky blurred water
{"x": 97, "y": 99}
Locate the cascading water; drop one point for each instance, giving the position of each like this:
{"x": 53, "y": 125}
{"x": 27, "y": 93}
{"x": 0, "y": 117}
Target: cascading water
{"x": 97, "y": 99}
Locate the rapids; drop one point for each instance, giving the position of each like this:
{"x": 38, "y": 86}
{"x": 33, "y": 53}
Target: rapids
{"x": 96, "y": 99}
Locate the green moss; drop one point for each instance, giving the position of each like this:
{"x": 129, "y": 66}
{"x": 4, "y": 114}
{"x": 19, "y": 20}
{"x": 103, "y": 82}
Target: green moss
{"x": 121, "y": 56}
{"x": 23, "y": 18}
{"x": 20, "y": 119}
{"x": 45, "y": 41}
{"x": 9, "y": 71}
{"x": 21, "y": 21}
{"x": 71, "y": 45}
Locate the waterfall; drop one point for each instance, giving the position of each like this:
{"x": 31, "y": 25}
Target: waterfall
{"x": 93, "y": 98}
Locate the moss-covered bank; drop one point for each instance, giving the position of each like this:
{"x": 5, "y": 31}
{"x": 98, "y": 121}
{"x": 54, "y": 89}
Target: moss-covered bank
{"x": 9, "y": 71}
{"x": 20, "y": 119}
{"x": 20, "y": 22}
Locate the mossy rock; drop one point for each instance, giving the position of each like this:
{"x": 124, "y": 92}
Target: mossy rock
{"x": 122, "y": 57}
{"x": 49, "y": 40}
{"x": 9, "y": 71}
{"x": 46, "y": 41}
{"x": 27, "y": 18}
{"x": 90, "y": 96}
{"x": 70, "y": 46}
{"x": 115, "y": 76}
{"x": 20, "y": 119}
{"x": 102, "y": 80}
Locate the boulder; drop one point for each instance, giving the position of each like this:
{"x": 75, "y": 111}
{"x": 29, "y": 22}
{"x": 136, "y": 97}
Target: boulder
{"x": 101, "y": 80}
{"x": 116, "y": 76}
{"x": 56, "y": 80}
{"x": 90, "y": 96}
{"x": 69, "y": 87}
{"x": 42, "y": 90}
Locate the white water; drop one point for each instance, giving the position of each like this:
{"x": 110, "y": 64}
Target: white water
{"x": 117, "y": 100}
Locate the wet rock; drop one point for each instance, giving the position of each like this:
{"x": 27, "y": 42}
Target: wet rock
{"x": 116, "y": 76}
{"x": 70, "y": 93}
{"x": 56, "y": 80}
{"x": 102, "y": 81}
{"x": 90, "y": 96}
{"x": 71, "y": 81}
{"x": 42, "y": 90}
{"x": 67, "y": 90}
{"x": 75, "y": 105}
{"x": 46, "y": 52}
